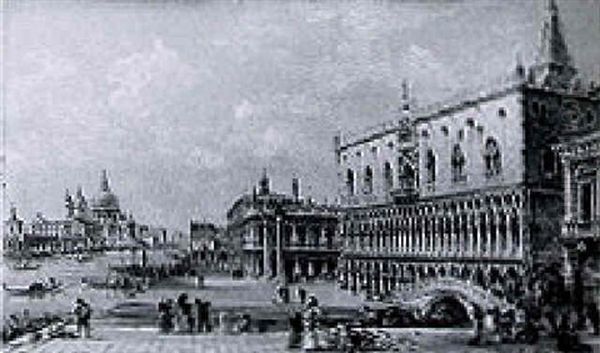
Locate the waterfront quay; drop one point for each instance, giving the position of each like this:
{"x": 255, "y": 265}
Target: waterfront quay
{"x": 114, "y": 339}
{"x": 255, "y": 297}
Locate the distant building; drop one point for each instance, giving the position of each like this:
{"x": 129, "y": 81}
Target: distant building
{"x": 87, "y": 226}
{"x": 283, "y": 237}
{"x": 14, "y": 233}
{"x": 211, "y": 245}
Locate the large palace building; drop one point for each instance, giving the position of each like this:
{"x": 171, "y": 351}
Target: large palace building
{"x": 471, "y": 189}
{"x": 283, "y": 237}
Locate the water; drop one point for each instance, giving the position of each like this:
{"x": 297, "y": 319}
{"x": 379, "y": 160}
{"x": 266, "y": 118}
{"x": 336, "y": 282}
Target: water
{"x": 67, "y": 271}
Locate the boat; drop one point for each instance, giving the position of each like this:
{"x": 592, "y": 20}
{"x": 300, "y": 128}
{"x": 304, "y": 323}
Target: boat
{"x": 26, "y": 266}
{"x": 35, "y": 288}
{"x": 84, "y": 257}
{"x": 134, "y": 309}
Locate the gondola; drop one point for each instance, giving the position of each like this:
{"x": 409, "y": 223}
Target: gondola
{"x": 35, "y": 288}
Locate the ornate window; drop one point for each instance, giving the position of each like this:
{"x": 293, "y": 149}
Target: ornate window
{"x": 458, "y": 162}
{"x": 350, "y": 182}
{"x": 368, "y": 184}
{"x": 492, "y": 157}
{"x": 388, "y": 176}
{"x": 430, "y": 166}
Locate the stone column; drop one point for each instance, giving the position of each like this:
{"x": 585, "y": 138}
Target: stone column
{"x": 323, "y": 237}
{"x": 434, "y": 233}
{"x": 311, "y": 268}
{"x": 294, "y": 234}
{"x": 469, "y": 220}
{"x": 297, "y": 269}
{"x": 451, "y": 238}
{"x": 520, "y": 221}
{"x": 488, "y": 231}
{"x": 252, "y": 235}
{"x": 442, "y": 234}
{"x": 381, "y": 281}
{"x": 422, "y": 223}
{"x": 402, "y": 235}
{"x": 461, "y": 235}
{"x": 397, "y": 276}
{"x": 579, "y": 201}
{"x": 279, "y": 251}
{"x": 266, "y": 268}
{"x": 597, "y": 195}
{"x": 497, "y": 231}
{"x": 509, "y": 236}
{"x": 567, "y": 190}
{"x": 477, "y": 231}
{"x": 410, "y": 235}
{"x": 372, "y": 284}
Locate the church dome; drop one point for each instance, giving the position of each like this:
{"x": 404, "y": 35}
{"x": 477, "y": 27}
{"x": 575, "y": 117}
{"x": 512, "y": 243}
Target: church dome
{"x": 106, "y": 199}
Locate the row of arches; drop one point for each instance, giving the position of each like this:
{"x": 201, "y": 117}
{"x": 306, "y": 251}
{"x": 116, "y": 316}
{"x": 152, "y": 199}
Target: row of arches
{"x": 490, "y": 227}
{"x": 387, "y": 276}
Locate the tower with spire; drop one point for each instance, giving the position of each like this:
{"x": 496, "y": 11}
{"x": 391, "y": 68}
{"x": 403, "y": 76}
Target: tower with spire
{"x": 104, "y": 187}
{"x": 69, "y": 205}
{"x": 264, "y": 185}
{"x": 554, "y": 65}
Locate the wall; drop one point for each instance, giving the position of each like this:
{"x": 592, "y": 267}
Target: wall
{"x": 478, "y": 122}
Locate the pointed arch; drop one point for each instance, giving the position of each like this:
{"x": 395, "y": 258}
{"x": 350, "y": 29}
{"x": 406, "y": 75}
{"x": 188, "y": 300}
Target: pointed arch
{"x": 388, "y": 176}
{"x": 492, "y": 157}
{"x": 458, "y": 162}
{"x": 430, "y": 166}
{"x": 350, "y": 182}
{"x": 368, "y": 180}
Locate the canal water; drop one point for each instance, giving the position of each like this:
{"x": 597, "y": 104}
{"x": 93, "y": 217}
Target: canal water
{"x": 69, "y": 272}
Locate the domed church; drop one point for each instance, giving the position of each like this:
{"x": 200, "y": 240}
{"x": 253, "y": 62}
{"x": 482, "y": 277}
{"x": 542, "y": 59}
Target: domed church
{"x": 105, "y": 208}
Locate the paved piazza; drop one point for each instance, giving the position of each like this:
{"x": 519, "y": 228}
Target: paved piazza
{"x": 109, "y": 340}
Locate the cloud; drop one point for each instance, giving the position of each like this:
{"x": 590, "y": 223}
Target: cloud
{"x": 421, "y": 58}
{"x": 243, "y": 111}
{"x": 205, "y": 158}
{"x": 142, "y": 82}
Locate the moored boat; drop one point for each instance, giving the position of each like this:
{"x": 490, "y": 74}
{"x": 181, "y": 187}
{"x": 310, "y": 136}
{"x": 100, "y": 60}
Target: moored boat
{"x": 26, "y": 266}
{"x": 35, "y": 288}
{"x": 84, "y": 257}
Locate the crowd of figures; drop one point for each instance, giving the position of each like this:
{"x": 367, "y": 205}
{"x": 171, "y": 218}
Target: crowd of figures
{"x": 18, "y": 325}
{"x": 138, "y": 276}
{"x": 182, "y": 315}
{"x": 24, "y": 326}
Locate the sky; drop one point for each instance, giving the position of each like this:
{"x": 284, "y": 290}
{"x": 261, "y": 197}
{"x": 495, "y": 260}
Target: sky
{"x": 184, "y": 103}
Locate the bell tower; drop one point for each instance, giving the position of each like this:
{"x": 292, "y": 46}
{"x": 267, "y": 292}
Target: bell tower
{"x": 554, "y": 67}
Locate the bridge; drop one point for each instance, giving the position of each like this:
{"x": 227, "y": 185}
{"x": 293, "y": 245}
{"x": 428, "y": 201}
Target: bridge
{"x": 427, "y": 293}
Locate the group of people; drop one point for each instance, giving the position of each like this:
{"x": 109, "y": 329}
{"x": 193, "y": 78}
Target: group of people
{"x": 16, "y": 325}
{"x": 184, "y": 316}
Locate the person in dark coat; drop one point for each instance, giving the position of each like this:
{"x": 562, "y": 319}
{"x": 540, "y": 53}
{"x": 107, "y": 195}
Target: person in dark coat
{"x": 594, "y": 317}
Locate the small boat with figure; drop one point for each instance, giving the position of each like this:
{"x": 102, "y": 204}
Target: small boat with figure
{"x": 84, "y": 257}
{"x": 39, "y": 287}
{"x": 26, "y": 266}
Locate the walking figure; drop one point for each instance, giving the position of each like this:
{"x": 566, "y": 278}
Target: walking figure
{"x": 83, "y": 314}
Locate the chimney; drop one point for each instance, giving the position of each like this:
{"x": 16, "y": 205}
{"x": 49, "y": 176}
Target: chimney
{"x": 296, "y": 188}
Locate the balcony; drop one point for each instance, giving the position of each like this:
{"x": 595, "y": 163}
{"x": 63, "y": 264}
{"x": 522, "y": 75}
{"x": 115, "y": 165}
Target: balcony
{"x": 250, "y": 246}
{"x": 577, "y": 229}
{"x": 404, "y": 190}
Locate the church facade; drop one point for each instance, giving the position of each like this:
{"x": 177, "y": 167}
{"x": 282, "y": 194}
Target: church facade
{"x": 471, "y": 189}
